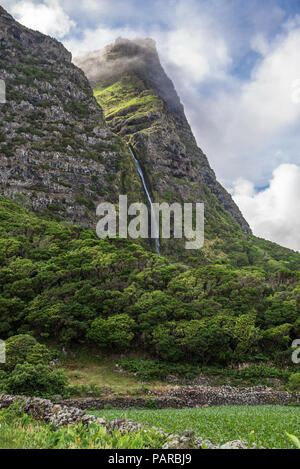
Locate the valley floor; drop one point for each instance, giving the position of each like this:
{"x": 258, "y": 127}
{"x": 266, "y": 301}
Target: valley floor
{"x": 269, "y": 424}
{"x": 264, "y": 425}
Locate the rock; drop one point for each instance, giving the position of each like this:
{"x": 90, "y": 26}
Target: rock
{"x": 209, "y": 445}
{"x": 56, "y": 408}
{"x": 57, "y": 143}
{"x": 59, "y": 415}
{"x": 236, "y": 444}
{"x": 54, "y": 363}
{"x": 101, "y": 421}
{"x": 135, "y": 66}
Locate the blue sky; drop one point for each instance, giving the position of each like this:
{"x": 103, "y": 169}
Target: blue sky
{"x": 235, "y": 64}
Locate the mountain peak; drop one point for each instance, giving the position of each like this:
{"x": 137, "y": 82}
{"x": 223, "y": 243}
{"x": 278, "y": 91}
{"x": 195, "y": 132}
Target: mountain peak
{"x": 126, "y": 57}
{"x": 141, "y": 104}
{"x": 22, "y": 40}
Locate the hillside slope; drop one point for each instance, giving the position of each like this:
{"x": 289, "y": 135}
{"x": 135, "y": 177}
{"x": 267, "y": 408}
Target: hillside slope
{"x": 63, "y": 284}
{"x": 57, "y": 155}
{"x": 141, "y": 105}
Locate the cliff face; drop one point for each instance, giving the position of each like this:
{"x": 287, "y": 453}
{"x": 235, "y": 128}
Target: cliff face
{"x": 57, "y": 154}
{"x": 141, "y": 104}
{"x": 60, "y": 157}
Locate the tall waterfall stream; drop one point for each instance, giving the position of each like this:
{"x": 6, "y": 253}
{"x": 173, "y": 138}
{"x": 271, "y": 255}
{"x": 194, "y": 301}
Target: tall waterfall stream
{"x": 153, "y": 220}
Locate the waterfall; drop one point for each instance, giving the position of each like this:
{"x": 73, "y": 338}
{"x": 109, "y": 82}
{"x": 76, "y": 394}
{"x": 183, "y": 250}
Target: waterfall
{"x": 153, "y": 219}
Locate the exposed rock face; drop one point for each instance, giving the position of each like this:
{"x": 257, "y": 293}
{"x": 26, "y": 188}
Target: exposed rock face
{"x": 59, "y": 157}
{"x": 141, "y": 105}
{"x": 56, "y": 151}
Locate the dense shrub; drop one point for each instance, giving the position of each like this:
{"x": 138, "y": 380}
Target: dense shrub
{"x": 113, "y": 331}
{"x": 294, "y": 382}
{"x": 205, "y": 340}
{"x": 35, "y": 380}
{"x": 60, "y": 281}
{"x": 154, "y": 369}
{"x": 24, "y": 348}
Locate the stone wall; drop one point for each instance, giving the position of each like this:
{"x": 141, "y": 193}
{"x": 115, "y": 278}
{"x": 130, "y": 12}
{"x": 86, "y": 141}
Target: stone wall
{"x": 58, "y": 415}
{"x": 192, "y": 396}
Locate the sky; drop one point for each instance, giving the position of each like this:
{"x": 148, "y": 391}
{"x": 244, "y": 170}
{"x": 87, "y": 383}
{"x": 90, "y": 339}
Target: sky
{"x": 236, "y": 67}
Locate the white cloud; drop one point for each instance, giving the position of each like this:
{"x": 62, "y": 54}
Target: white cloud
{"x": 98, "y": 38}
{"x": 190, "y": 46}
{"x": 246, "y": 123}
{"x": 273, "y": 213}
{"x": 193, "y": 48}
{"x": 48, "y": 17}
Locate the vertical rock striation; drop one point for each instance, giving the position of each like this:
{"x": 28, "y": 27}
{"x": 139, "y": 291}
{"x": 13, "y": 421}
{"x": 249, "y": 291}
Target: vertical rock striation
{"x": 57, "y": 155}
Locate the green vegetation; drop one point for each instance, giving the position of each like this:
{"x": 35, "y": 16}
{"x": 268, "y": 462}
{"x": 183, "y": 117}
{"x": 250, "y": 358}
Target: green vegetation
{"x": 20, "y": 431}
{"x": 127, "y": 98}
{"x": 294, "y": 382}
{"x": 222, "y": 424}
{"x": 61, "y": 283}
{"x": 33, "y": 380}
{"x": 91, "y": 373}
{"x": 255, "y": 374}
{"x": 24, "y": 348}
{"x": 271, "y": 427}
{"x": 27, "y": 370}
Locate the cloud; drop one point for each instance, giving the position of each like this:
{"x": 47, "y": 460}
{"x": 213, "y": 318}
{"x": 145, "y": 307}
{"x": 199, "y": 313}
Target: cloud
{"x": 250, "y": 124}
{"x": 175, "y": 35}
{"x": 273, "y": 213}
{"x": 48, "y": 17}
{"x": 234, "y": 64}
{"x": 99, "y": 38}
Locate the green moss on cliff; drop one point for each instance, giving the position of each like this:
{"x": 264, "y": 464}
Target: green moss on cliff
{"x": 128, "y": 99}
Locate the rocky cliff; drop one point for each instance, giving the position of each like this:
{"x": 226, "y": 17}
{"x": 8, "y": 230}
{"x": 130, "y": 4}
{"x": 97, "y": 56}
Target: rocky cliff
{"x": 141, "y": 104}
{"x": 57, "y": 155}
{"x": 60, "y": 155}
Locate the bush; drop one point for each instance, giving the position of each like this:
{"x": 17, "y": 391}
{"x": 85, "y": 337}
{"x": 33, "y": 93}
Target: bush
{"x": 151, "y": 404}
{"x": 3, "y": 381}
{"x": 39, "y": 380}
{"x": 207, "y": 340}
{"x": 114, "y": 331}
{"x": 294, "y": 382}
{"x": 24, "y": 348}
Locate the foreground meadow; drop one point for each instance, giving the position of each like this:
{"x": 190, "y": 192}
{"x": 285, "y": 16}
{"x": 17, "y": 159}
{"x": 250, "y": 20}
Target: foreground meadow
{"x": 267, "y": 426}
{"x": 222, "y": 424}
{"x": 20, "y": 431}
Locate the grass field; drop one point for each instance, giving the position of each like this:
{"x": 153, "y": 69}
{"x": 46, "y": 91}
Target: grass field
{"x": 222, "y": 424}
{"x": 21, "y": 431}
{"x": 219, "y": 424}
{"x": 90, "y": 371}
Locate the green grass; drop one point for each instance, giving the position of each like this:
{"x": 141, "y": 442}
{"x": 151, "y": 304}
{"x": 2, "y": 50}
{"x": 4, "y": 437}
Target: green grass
{"x": 20, "y": 431}
{"x": 127, "y": 96}
{"x": 83, "y": 369}
{"x": 222, "y": 424}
